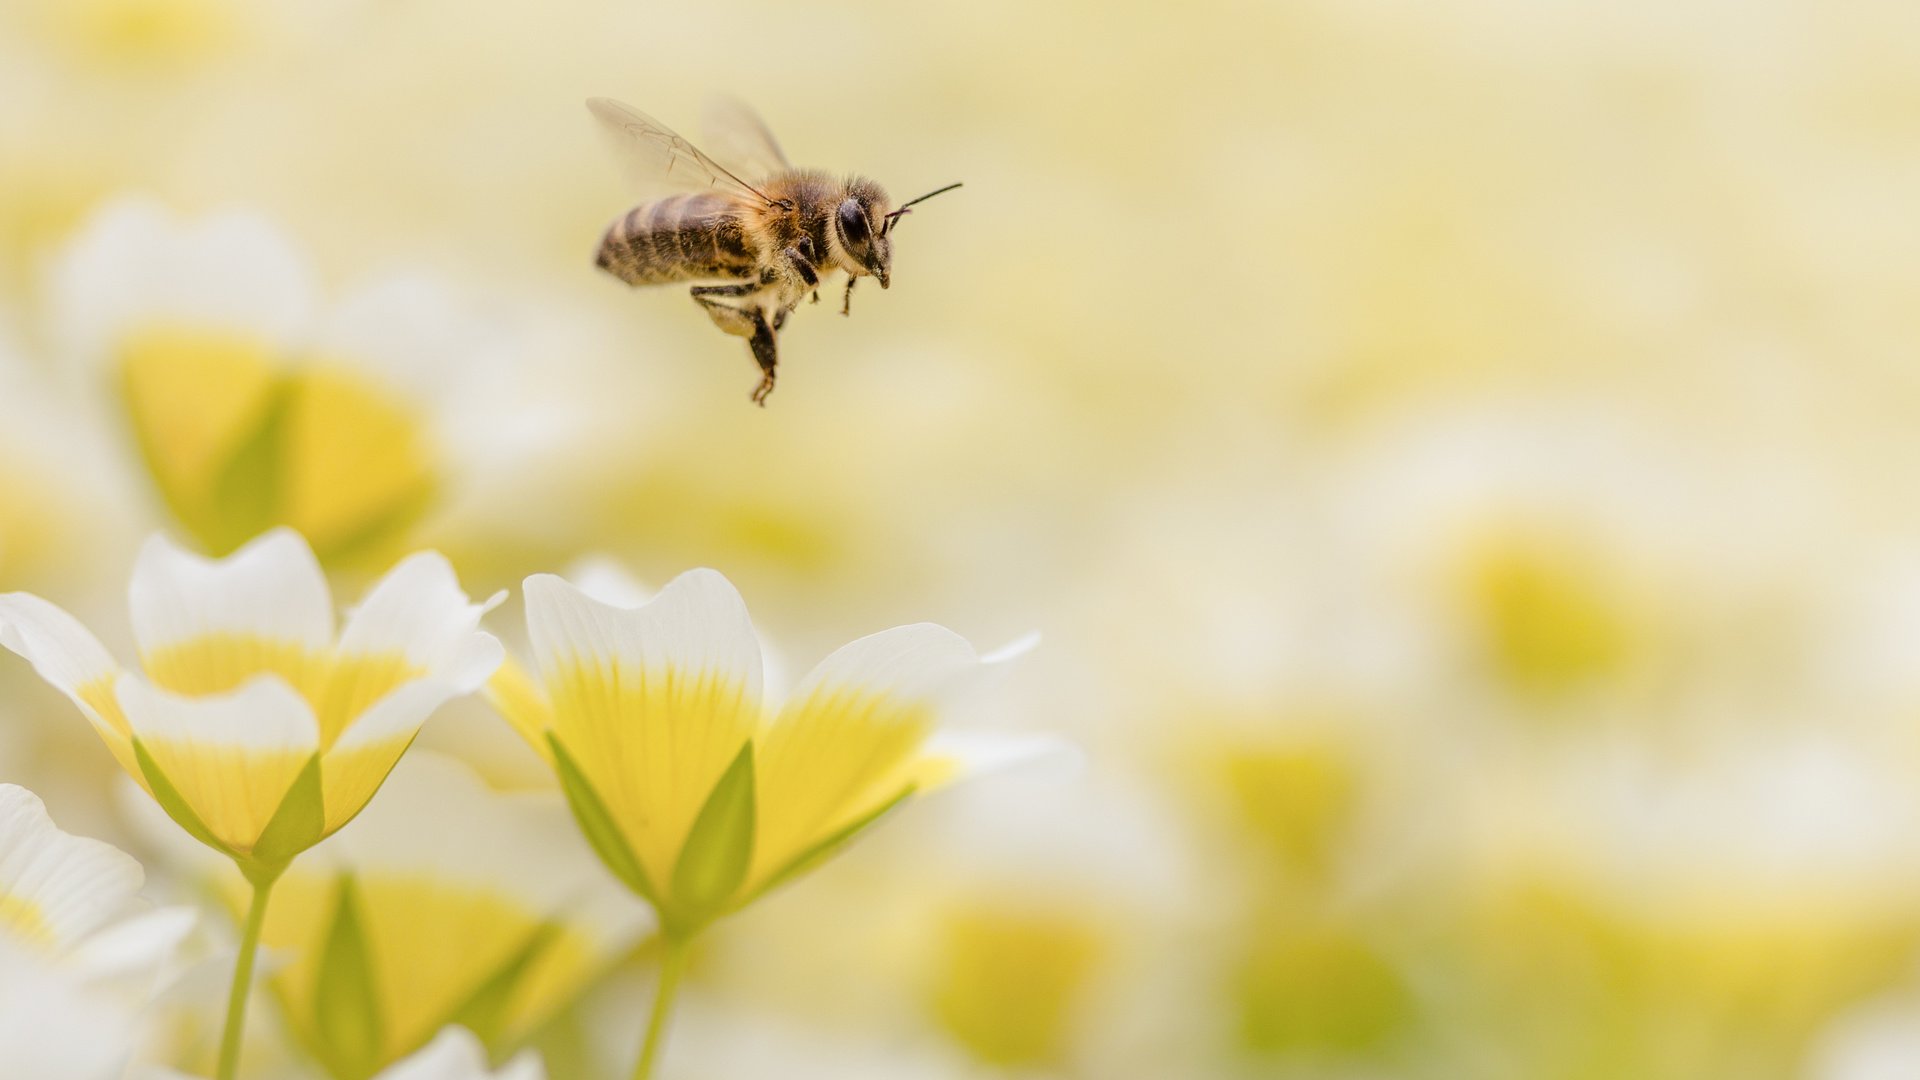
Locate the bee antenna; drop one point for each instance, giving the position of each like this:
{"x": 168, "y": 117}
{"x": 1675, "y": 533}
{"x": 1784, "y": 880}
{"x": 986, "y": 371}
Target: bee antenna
{"x": 902, "y": 209}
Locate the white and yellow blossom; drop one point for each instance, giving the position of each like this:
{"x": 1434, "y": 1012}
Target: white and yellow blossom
{"x": 255, "y": 724}
{"x": 75, "y": 900}
{"x": 449, "y": 903}
{"x": 82, "y": 956}
{"x": 696, "y": 794}
{"x": 256, "y": 401}
{"x": 56, "y": 888}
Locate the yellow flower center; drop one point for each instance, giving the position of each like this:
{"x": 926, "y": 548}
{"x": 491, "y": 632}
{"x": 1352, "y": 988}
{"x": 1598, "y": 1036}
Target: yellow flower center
{"x": 22, "y": 918}
{"x": 1298, "y": 799}
{"x": 1009, "y": 981}
{"x": 120, "y": 34}
{"x": 1551, "y": 614}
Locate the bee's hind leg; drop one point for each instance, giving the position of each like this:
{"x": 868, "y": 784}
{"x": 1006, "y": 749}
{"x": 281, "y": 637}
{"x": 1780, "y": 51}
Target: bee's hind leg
{"x": 749, "y": 323}
{"x": 766, "y": 353}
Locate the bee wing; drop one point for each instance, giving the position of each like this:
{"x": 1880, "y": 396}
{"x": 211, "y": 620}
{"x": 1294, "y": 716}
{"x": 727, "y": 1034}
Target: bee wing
{"x": 740, "y": 137}
{"x": 661, "y": 160}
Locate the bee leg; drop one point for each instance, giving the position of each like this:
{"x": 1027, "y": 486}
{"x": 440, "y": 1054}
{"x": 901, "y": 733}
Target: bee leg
{"x": 816, "y": 296}
{"x": 846, "y": 302}
{"x": 730, "y": 319}
{"x": 801, "y": 265}
{"x": 766, "y": 354}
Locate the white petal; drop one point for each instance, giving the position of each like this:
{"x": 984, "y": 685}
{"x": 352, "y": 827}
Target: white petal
{"x": 357, "y": 763}
{"x": 232, "y": 757}
{"x": 607, "y": 581}
{"x": 272, "y": 588}
{"x": 408, "y": 705}
{"x": 909, "y": 664}
{"x": 264, "y": 715}
{"x": 418, "y": 610}
{"x": 53, "y": 1026}
{"x": 977, "y": 752}
{"x": 141, "y": 943}
{"x": 455, "y": 1054}
{"x": 1013, "y": 650}
{"x": 69, "y": 885}
{"x": 135, "y": 263}
{"x": 59, "y": 648}
{"x": 698, "y": 623}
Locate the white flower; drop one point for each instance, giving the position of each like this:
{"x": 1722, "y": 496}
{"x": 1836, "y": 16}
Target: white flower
{"x": 81, "y": 954}
{"x": 653, "y": 717}
{"x": 250, "y": 696}
{"x": 1876, "y": 1041}
{"x": 255, "y": 402}
{"x": 445, "y": 888}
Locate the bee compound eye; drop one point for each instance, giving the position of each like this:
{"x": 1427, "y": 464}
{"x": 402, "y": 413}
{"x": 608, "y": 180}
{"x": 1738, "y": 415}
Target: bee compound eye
{"x": 853, "y": 223}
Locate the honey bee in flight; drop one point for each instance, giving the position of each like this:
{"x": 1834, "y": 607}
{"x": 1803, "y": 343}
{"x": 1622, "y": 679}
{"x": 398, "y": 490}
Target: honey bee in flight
{"x": 756, "y": 249}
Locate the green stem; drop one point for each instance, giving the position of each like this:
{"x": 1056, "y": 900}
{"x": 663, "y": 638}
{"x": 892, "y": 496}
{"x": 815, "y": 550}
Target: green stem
{"x": 243, "y": 976}
{"x": 673, "y": 964}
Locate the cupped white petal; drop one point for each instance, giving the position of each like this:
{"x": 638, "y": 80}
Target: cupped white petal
{"x": 264, "y": 715}
{"x": 456, "y": 1054}
{"x": 56, "y": 888}
{"x": 921, "y": 664}
{"x": 971, "y": 753}
{"x": 847, "y": 741}
{"x": 697, "y": 625}
{"x": 417, "y": 610}
{"x": 61, "y": 650}
{"x": 232, "y": 757}
{"x": 607, "y": 581}
{"x": 401, "y": 712}
{"x": 53, "y": 1025}
{"x": 140, "y": 943}
{"x": 358, "y": 762}
{"x": 653, "y": 703}
{"x": 272, "y": 589}
{"x": 1013, "y": 650}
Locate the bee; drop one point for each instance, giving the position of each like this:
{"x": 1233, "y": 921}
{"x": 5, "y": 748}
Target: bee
{"x": 752, "y": 250}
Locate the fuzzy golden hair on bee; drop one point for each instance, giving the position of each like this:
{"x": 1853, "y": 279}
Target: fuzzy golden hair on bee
{"x": 753, "y": 236}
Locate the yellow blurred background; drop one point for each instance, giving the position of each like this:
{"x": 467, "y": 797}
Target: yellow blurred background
{"x": 1461, "y": 458}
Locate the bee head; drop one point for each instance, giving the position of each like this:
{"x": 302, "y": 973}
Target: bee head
{"x": 863, "y": 226}
{"x": 860, "y": 225}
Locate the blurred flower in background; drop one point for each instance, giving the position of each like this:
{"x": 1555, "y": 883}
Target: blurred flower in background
{"x": 453, "y": 904}
{"x": 84, "y": 957}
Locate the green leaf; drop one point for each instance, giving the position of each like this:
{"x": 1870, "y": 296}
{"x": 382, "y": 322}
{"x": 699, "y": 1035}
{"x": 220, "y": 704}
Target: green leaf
{"x": 173, "y": 802}
{"x": 484, "y": 1012}
{"x": 245, "y": 497}
{"x": 598, "y": 825}
{"x": 346, "y": 1000}
{"x": 827, "y": 848}
{"x": 299, "y": 822}
{"x": 369, "y": 540}
{"x": 714, "y": 860}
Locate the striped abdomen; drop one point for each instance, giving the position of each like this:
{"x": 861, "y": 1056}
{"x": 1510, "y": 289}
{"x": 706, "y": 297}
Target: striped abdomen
{"x": 679, "y": 238}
